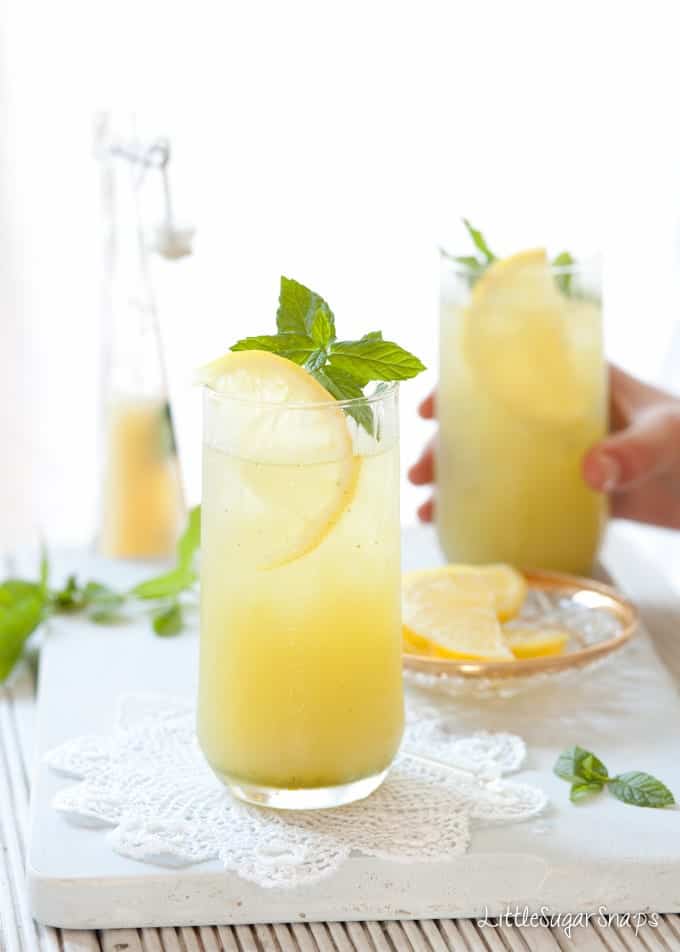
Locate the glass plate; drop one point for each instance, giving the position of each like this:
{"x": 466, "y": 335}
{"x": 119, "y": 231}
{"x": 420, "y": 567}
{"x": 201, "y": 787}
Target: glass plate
{"x": 596, "y": 617}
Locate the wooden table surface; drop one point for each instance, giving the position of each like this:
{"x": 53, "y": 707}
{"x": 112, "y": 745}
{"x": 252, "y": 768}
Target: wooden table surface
{"x": 660, "y": 606}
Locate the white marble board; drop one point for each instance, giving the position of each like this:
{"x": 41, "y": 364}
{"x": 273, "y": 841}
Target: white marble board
{"x": 572, "y": 858}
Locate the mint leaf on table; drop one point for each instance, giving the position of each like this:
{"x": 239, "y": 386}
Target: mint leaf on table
{"x": 69, "y": 597}
{"x": 22, "y": 608}
{"x": 581, "y": 791}
{"x": 588, "y": 775}
{"x": 189, "y": 542}
{"x": 641, "y": 789}
{"x": 104, "y": 605}
{"x": 169, "y": 621}
{"x": 577, "y": 765}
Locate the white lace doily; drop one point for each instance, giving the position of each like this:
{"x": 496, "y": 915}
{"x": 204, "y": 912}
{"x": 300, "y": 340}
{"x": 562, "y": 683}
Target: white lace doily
{"x": 149, "y": 783}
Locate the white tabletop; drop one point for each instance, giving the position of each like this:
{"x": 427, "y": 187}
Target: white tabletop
{"x": 661, "y": 610}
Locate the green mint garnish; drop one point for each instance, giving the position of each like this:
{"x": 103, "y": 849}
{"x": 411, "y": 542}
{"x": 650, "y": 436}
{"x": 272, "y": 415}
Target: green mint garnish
{"x": 588, "y": 775}
{"x": 477, "y": 264}
{"x": 563, "y": 260}
{"x": 307, "y": 336}
{"x": 479, "y": 241}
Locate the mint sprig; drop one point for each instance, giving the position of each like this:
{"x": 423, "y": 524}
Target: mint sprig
{"x": 25, "y": 604}
{"x": 477, "y": 264}
{"x": 588, "y": 775}
{"x": 306, "y": 334}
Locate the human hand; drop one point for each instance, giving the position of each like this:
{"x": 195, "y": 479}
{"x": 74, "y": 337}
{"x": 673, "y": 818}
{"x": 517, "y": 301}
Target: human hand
{"x": 637, "y": 465}
{"x": 422, "y": 471}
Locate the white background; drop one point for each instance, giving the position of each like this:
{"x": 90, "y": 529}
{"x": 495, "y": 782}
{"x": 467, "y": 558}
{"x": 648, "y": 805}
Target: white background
{"x": 338, "y": 143}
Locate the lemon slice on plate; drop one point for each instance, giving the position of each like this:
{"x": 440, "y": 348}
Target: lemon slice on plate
{"x": 527, "y": 642}
{"x": 453, "y": 611}
{"x": 516, "y": 340}
{"x": 294, "y": 451}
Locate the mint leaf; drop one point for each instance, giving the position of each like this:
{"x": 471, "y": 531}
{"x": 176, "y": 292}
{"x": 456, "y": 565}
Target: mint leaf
{"x": 103, "y": 603}
{"x": 563, "y": 281}
{"x": 44, "y": 577}
{"x": 479, "y": 242}
{"x": 641, "y": 790}
{"x": 373, "y": 359}
{"x": 577, "y": 764}
{"x": 307, "y": 336}
{"x": 166, "y": 585}
{"x": 343, "y": 386}
{"x": 584, "y": 790}
{"x": 322, "y": 326}
{"x": 474, "y": 264}
{"x": 183, "y": 576}
{"x": 22, "y": 606}
{"x": 316, "y": 360}
{"x": 297, "y": 306}
{"x": 190, "y": 540}
{"x": 296, "y": 347}
{"x": 169, "y": 621}
{"x": 69, "y": 597}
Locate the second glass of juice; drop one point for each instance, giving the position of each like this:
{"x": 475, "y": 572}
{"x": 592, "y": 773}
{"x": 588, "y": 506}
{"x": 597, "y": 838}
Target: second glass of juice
{"x": 300, "y": 698}
{"x": 522, "y": 396}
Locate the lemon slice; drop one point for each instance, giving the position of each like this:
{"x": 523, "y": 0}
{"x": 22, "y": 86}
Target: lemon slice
{"x": 297, "y": 471}
{"x": 516, "y": 340}
{"x": 508, "y": 586}
{"x": 527, "y": 642}
{"x": 454, "y": 612}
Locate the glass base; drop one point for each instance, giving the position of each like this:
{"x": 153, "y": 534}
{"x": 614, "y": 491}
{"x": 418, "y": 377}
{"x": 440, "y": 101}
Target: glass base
{"x": 303, "y": 798}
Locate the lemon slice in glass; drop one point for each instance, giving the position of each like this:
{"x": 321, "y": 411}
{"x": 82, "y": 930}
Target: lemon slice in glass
{"x": 517, "y": 341}
{"x": 296, "y": 464}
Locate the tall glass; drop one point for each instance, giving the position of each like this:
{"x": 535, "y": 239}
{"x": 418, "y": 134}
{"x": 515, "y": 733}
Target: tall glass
{"x": 522, "y": 396}
{"x": 300, "y": 697}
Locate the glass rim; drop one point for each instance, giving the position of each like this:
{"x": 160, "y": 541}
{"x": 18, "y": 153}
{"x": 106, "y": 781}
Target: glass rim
{"x": 390, "y": 388}
{"x": 580, "y": 265}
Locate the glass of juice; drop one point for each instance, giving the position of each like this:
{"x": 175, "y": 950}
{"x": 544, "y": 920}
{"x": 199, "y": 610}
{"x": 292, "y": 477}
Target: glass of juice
{"x": 522, "y": 396}
{"x": 300, "y": 697}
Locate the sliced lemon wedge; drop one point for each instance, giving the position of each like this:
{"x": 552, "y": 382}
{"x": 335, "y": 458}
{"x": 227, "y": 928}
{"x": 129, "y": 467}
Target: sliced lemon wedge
{"x": 527, "y": 642}
{"x": 516, "y": 340}
{"x": 452, "y": 612}
{"x": 297, "y": 469}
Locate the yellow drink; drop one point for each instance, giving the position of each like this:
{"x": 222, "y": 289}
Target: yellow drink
{"x": 142, "y": 500}
{"x": 300, "y": 698}
{"x": 522, "y": 396}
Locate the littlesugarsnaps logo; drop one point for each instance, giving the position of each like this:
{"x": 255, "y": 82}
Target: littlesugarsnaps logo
{"x": 567, "y": 921}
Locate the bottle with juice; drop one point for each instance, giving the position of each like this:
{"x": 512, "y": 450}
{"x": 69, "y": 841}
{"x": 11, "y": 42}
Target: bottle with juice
{"x": 522, "y": 395}
{"x": 300, "y": 698}
{"x": 141, "y": 502}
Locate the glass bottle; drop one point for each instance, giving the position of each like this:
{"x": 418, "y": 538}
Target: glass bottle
{"x": 142, "y": 507}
